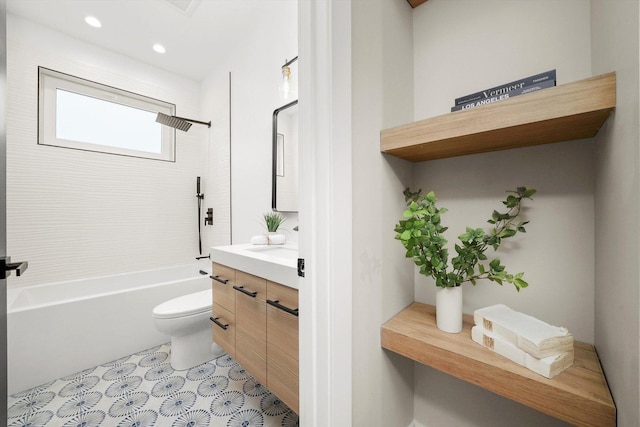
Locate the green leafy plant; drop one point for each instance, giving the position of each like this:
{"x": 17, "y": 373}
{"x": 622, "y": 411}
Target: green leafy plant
{"x": 421, "y": 233}
{"x": 273, "y": 220}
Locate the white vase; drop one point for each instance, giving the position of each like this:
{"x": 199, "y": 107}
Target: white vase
{"x": 449, "y": 309}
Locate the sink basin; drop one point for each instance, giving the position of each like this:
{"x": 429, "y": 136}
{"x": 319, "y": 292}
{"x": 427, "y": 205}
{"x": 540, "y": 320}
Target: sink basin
{"x": 285, "y": 252}
{"x": 277, "y": 263}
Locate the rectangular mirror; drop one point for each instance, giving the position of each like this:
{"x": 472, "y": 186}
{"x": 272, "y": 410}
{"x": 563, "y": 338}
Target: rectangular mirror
{"x": 284, "y": 192}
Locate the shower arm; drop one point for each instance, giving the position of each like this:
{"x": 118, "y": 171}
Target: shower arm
{"x": 208, "y": 124}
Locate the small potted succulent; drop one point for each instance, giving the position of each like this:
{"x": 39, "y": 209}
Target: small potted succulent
{"x": 422, "y": 234}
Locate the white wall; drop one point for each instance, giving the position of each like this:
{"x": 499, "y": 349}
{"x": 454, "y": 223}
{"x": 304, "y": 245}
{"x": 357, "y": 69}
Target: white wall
{"x": 615, "y": 44}
{"x": 255, "y": 77}
{"x": 77, "y": 214}
{"x": 382, "y": 97}
{"x": 216, "y": 184}
{"x": 464, "y": 46}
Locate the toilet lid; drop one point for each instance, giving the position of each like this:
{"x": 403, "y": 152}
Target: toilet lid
{"x": 198, "y": 302}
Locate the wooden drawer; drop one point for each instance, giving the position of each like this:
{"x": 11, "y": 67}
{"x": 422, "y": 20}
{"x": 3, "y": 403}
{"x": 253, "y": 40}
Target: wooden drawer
{"x": 224, "y": 278}
{"x": 282, "y": 343}
{"x": 226, "y": 338}
{"x": 251, "y": 324}
{"x": 282, "y": 356}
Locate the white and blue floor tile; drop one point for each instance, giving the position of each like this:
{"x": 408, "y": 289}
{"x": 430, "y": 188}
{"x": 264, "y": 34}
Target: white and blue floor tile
{"x": 142, "y": 390}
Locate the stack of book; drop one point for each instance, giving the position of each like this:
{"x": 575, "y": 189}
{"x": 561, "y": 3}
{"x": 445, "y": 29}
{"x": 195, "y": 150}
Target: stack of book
{"x": 527, "y": 341}
{"x": 506, "y": 91}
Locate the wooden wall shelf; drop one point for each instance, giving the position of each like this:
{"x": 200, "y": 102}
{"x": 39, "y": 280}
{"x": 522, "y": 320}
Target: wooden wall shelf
{"x": 572, "y": 111}
{"x": 416, "y": 3}
{"x": 579, "y": 395}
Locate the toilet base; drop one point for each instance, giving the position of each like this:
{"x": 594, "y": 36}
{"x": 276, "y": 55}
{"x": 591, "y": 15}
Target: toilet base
{"x": 216, "y": 350}
{"x": 191, "y": 350}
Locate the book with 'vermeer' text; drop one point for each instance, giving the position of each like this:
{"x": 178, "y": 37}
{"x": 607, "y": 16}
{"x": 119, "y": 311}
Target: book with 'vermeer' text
{"x": 548, "y": 367}
{"x": 523, "y": 91}
{"x": 529, "y": 334}
{"x": 508, "y": 87}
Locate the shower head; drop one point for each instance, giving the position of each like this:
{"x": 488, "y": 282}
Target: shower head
{"x": 180, "y": 123}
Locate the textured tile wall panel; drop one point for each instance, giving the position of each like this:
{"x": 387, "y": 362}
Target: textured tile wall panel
{"x": 217, "y": 185}
{"x": 75, "y": 214}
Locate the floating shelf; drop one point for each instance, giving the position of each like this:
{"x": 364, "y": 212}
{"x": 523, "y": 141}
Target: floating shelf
{"x": 572, "y": 111}
{"x": 579, "y": 395}
{"x": 416, "y": 3}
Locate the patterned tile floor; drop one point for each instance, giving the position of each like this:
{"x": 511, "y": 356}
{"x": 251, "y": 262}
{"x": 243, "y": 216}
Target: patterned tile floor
{"x": 142, "y": 390}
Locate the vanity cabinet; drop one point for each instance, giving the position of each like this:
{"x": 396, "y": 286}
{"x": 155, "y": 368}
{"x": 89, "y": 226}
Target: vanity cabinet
{"x": 256, "y": 322}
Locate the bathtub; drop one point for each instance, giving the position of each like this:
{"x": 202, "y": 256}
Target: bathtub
{"x": 57, "y": 329}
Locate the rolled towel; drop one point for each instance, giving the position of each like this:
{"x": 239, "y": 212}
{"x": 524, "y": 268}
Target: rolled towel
{"x": 268, "y": 239}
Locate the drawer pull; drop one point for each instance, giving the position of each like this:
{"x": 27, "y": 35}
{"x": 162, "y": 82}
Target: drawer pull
{"x": 217, "y": 322}
{"x": 277, "y": 304}
{"x": 218, "y": 279}
{"x": 246, "y": 292}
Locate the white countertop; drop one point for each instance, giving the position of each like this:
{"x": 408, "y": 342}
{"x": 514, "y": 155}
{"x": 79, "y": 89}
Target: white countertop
{"x": 277, "y": 263}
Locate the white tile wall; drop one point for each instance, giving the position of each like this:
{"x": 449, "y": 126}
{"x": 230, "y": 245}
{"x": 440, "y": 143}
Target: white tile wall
{"x": 216, "y": 92}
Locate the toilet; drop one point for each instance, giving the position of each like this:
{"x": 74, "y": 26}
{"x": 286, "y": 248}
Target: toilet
{"x": 186, "y": 320}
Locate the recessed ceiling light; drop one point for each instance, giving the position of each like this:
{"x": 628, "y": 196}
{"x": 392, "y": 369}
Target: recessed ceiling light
{"x": 159, "y": 48}
{"x": 93, "y": 21}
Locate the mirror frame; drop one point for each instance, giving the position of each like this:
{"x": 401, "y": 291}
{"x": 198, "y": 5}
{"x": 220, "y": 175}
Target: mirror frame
{"x": 274, "y": 153}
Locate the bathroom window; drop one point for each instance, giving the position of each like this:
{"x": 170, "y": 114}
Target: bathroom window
{"x": 85, "y": 115}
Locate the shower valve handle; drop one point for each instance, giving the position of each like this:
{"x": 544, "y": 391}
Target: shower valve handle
{"x": 208, "y": 220}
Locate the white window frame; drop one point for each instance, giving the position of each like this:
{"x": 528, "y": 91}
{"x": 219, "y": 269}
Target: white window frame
{"x": 49, "y": 81}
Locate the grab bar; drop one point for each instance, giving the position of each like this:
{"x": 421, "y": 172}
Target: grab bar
{"x": 277, "y": 304}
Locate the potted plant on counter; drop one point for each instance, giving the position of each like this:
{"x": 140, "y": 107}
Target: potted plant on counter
{"x": 272, "y": 221}
{"x": 422, "y": 234}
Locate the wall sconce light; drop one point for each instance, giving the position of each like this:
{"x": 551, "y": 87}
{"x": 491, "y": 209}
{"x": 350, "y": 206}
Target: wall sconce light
{"x": 285, "y": 89}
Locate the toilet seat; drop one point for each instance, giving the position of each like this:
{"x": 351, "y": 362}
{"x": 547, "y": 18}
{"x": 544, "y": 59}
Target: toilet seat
{"x": 186, "y": 305}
